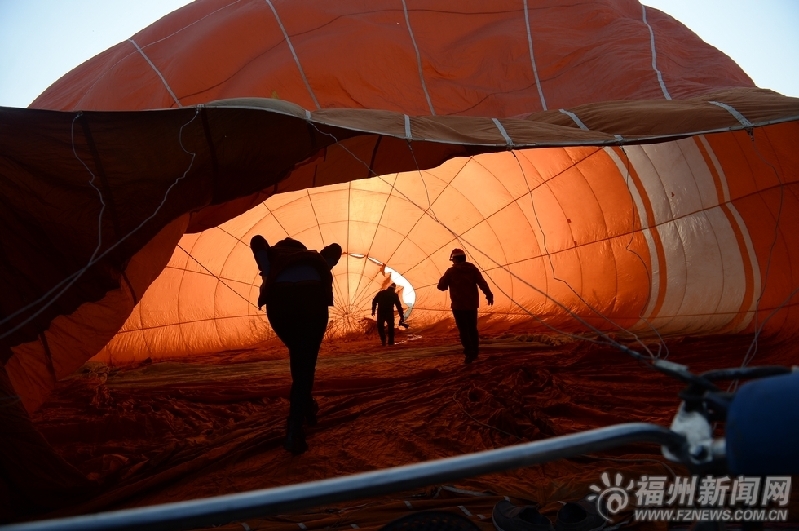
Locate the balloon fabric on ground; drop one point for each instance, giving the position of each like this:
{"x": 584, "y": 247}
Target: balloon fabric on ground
{"x": 611, "y": 175}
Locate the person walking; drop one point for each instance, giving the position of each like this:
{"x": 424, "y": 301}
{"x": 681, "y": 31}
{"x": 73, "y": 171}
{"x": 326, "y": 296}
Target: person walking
{"x": 297, "y": 290}
{"x": 462, "y": 280}
{"x": 384, "y": 303}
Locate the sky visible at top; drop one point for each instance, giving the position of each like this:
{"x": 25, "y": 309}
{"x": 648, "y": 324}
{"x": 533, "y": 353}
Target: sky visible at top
{"x": 41, "y": 40}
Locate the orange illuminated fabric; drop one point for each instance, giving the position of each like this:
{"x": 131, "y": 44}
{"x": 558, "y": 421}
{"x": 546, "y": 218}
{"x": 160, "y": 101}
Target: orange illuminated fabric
{"x": 610, "y": 174}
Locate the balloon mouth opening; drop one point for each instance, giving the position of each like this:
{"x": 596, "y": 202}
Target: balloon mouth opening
{"x": 407, "y": 293}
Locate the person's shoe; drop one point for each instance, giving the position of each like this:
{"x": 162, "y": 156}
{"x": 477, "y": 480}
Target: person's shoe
{"x": 295, "y": 439}
{"x": 508, "y": 517}
{"x": 470, "y": 357}
{"x": 582, "y": 515}
{"x": 313, "y": 409}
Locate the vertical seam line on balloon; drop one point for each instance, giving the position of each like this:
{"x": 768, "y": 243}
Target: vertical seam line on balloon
{"x": 730, "y": 109}
{"x": 293, "y": 53}
{"x": 110, "y": 68}
{"x": 532, "y": 57}
{"x": 418, "y": 58}
{"x": 575, "y": 119}
{"x": 385, "y": 204}
{"x": 655, "y": 55}
{"x": 582, "y": 126}
{"x": 158, "y": 72}
{"x": 503, "y": 132}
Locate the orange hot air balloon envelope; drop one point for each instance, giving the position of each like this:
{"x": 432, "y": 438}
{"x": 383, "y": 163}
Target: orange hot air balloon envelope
{"x": 609, "y": 173}
{"x": 371, "y": 135}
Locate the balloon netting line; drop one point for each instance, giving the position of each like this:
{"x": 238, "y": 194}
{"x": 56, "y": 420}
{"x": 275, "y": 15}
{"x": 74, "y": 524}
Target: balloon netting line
{"x": 633, "y": 223}
{"x": 74, "y": 277}
{"x": 293, "y": 53}
{"x": 362, "y": 297}
{"x": 752, "y": 350}
{"x": 218, "y": 278}
{"x": 341, "y": 296}
{"x": 548, "y": 255}
{"x": 371, "y": 244}
{"x": 460, "y": 238}
{"x": 340, "y": 314}
{"x": 54, "y": 294}
{"x": 457, "y": 237}
{"x": 426, "y": 211}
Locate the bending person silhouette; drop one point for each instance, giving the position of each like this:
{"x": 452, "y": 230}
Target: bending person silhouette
{"x": 385, "y": 301}
{"x": 462, "y": 280}
{"x": 297, "y": 290}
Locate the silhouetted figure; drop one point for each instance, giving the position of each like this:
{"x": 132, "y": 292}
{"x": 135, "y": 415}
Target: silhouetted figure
{"x": 462, "y": 280}
{"x": 385, "y": 301}
{"x": 297, "y": 290}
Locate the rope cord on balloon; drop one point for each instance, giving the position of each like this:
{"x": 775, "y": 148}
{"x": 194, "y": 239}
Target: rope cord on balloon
{"x": 221, "y": 281}
{"x": 427, "y": 211}
{"x": 252, "y": 284}
{"x": 430, "y": 213}
{"x": 54, "y": 293}
{"x": 504, "y": 268}
{"x": 458, "y": 237}
{"x": 48, "y": 298}
{"x": 112, "y": 67}
{"x": 661, "y": 342}
{"x": 565, "y": 282}
{"x": 752, "y": 350}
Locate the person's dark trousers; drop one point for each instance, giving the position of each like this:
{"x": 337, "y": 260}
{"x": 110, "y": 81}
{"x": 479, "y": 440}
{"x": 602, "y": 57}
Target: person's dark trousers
{"x": 385, "y": 327}
{"x": 467, "y": 328}
{"x": 298, "y": 313}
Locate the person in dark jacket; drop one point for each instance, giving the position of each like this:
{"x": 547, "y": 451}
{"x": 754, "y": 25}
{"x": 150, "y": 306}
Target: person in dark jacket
{"x": 297, "y": 290}
{"x": 384, "y": 302}
{"x": 462, "y": 280}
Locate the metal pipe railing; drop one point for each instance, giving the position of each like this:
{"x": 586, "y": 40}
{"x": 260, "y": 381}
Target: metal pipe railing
{"x": 279, "y": 500}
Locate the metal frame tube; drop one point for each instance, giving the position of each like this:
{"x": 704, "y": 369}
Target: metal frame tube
{"x": 279, "y": 500}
